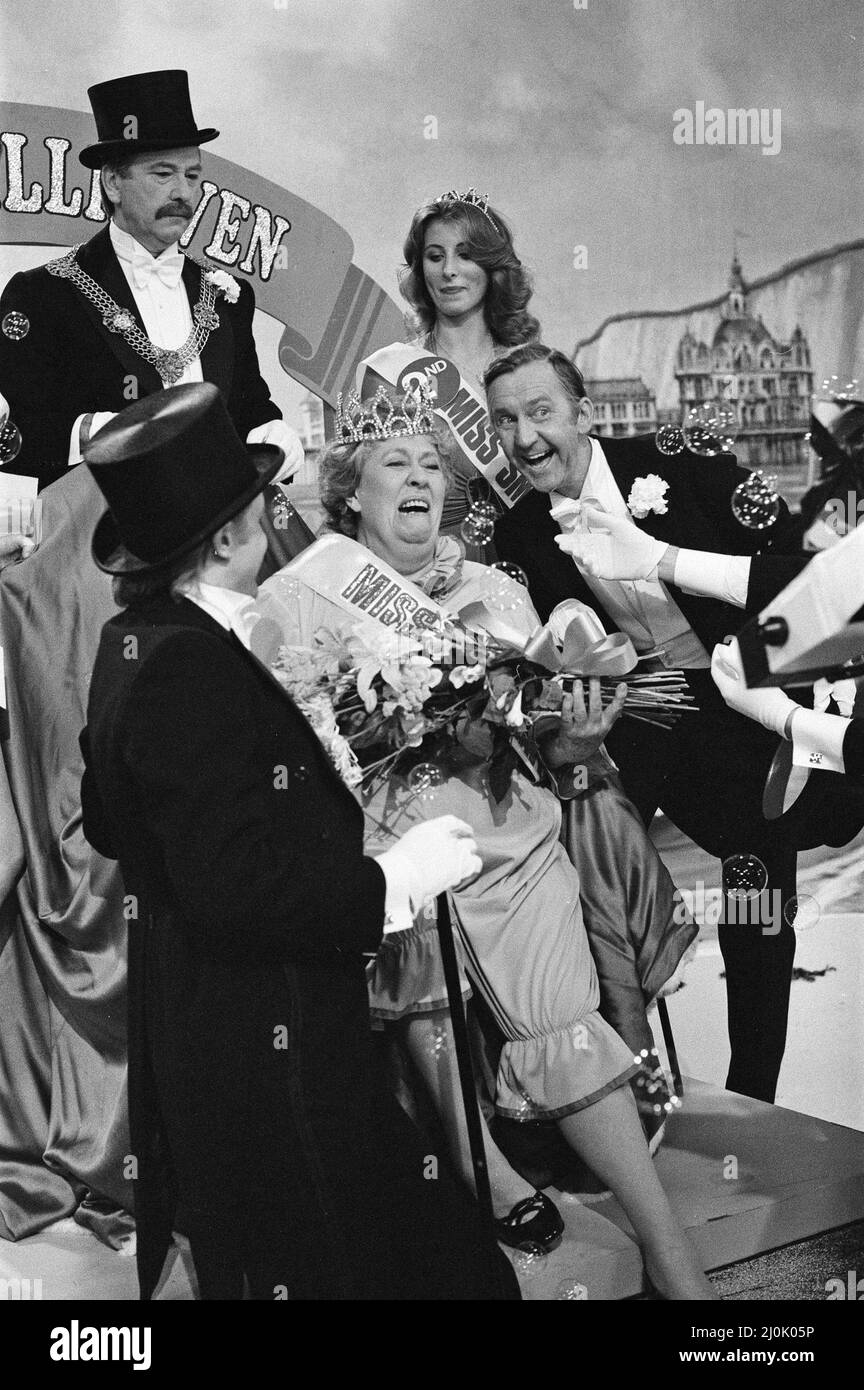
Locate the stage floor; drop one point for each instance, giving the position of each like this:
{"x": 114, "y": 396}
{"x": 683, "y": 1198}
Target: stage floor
{"x": 745, "y": 1177}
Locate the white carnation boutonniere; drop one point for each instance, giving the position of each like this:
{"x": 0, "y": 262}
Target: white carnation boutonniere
{"x": 224, "y": 283}
{"x": 648, "y": 495}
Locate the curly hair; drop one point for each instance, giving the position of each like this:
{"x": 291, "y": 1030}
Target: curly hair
{"x": 509, "y": 289}
{"x": 339, "y": 470}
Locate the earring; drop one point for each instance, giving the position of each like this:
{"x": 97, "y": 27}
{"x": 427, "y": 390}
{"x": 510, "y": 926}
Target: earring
{"x": 352, "y": 504}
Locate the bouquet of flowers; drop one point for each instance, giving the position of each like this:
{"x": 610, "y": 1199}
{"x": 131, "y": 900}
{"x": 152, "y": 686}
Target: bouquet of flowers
{"x": 377, "y": 698}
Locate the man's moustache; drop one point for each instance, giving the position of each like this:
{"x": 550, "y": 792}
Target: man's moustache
{"x": 174, "y": 212}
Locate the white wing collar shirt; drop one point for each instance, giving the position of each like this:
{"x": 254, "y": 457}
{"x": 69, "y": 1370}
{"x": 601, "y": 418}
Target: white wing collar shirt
{"x": 642, "y": 609}
{"x": 234, "y": 611}
{"x": 157, "y": 287}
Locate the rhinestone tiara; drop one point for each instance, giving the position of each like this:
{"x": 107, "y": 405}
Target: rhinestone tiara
{"x": 385, "y": 416}
{"x": 473, "y": 199}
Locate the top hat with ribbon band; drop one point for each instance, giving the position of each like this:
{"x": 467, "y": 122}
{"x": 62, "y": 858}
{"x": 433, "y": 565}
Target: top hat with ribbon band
{"x": 172, "y": 469}
{"x": 142, "y": 112}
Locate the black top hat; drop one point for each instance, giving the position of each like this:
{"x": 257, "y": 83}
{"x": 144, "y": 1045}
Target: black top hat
{"x": 172, "y": 469}
{"x": 145, "y": 111}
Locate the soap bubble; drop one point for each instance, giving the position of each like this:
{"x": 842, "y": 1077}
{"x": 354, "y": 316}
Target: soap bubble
{"x": 424, "y": 779}
{"x": 802, "y": 912}
{"x": 755, "y": 502}
{"x": 503, "y": 583}
{"x": 570, "y": 1289}
{"x": 439, "y": 1042}
{"x": 478, "y": 527}
{"x": 512, "y": 571}
{"x": 10, "y": 443}
{"x": 16, "y": 326}
{"x": 530, "y": 1261}
{"x": 670, "y": 439}
{"x": 744, "y": 876}
{"x": 710, "y": 428}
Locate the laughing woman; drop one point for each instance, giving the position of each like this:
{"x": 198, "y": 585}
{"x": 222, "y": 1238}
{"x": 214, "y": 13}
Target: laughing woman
{"x": 521, "y": 919}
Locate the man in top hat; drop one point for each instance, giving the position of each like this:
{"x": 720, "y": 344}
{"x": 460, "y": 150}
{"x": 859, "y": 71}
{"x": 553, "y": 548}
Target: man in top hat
{"x": 128, "y": 313}
{"x": 258, "y": 1120}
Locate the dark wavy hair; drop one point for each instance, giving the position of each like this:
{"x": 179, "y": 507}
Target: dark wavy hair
{"x": 339, "y": 470}
{"x": 505, "y": 307}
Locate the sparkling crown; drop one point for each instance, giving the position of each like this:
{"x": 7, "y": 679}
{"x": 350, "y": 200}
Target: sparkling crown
{"x": 472, "y": 198}
{"x": 384, "y": 417}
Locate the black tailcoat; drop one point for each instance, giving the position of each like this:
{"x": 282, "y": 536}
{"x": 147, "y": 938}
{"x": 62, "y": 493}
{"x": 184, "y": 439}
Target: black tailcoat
{"x": 70, "y": 364}
{"x": 255, "y": 1103}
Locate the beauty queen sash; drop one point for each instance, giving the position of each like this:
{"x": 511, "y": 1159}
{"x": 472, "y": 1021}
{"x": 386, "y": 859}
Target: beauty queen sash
{"x": 463, "y": 408}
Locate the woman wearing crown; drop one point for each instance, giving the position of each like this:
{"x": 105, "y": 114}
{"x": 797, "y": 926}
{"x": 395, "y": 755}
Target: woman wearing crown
{"x": 383, "y": 484}
{"x": 469, "y": 292}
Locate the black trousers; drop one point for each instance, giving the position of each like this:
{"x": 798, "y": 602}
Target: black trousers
{"x": 707, "y": 775}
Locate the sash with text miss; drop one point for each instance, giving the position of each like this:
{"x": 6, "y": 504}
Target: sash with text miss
{"x": 369, "y": 590}
{"x": 457, "y": 402}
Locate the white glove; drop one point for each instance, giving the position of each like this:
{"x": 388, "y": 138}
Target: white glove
{"x": 427, "y": 860}
{"x": 614, "y": 548}
{"x": 278, "y": 433}
{"x": 15, "y": 547}
{"x": 767, "y": 706}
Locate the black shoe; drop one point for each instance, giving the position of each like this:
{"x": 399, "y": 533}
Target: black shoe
{"x": 534, "y": 1223}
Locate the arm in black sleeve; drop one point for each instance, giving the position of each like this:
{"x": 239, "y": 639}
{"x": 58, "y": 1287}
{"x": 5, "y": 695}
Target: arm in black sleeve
{"x": 249, "y": 403}
{"x": 93, "y": 820}
{"x": 853, "y": 750}
{"x": 241, "y": 852}
{"x": 32, "y": 378}
{"x": 769, "y": 575}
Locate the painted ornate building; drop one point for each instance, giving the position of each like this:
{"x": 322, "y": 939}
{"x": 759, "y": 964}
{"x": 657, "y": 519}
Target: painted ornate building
{"x": 769, "y": 383}
{"x": 622, "y": 405}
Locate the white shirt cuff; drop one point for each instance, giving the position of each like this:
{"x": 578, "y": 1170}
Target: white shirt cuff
{"x": 817, "y": 740}
{"x": 713, "y": 576}
{"x": 398, "y": 875}
{"x": 100, "y": 418}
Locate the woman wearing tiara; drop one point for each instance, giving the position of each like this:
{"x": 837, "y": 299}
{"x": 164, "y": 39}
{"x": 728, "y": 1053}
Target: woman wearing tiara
{"x": 383, "y": 484}
{"x": 469, "y": 292}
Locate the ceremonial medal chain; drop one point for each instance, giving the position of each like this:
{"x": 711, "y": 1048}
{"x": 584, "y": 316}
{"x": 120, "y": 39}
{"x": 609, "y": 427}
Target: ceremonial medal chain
{"x": 170, "y": 364}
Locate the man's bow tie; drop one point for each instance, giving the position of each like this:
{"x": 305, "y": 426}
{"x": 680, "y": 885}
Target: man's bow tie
{"x": 168, "y": 269}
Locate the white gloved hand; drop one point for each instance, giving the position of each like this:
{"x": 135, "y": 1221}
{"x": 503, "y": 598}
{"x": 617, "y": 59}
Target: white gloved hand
{"x": 288, "y": 440}
{"x": 427, "y": 860}
{"x": 15, "y": 547}
{"x": 767, "y": 706}
{"x": 613, "y": 547}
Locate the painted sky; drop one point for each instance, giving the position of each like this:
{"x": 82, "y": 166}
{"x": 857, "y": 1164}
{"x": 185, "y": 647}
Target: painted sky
{"x": 564, "y": 115}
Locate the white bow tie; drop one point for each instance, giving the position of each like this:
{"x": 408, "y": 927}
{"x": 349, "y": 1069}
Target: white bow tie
{"x": 168, "y": 269}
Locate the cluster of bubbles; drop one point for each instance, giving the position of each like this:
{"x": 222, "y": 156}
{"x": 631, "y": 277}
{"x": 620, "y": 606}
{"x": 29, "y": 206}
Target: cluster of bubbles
{"x": 744, "y": 876}
{"x": 708, "y": 429}
{"x": 478, "y": 527}
{"x": 502, "y": 579}
{"x": 837, "y": 388}
{"x": 755, "y": 502}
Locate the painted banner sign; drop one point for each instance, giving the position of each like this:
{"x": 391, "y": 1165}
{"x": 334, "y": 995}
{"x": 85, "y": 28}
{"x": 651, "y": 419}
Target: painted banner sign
{"x": 296, "y": 257}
